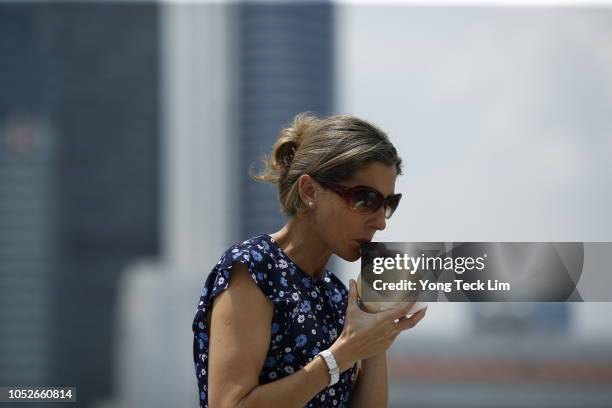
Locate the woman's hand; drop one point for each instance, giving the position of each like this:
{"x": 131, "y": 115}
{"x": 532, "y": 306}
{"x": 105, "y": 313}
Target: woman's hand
{"x": 367, "y": 334}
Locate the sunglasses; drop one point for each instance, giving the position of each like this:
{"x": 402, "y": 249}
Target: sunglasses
{"x": 364, "y": 199}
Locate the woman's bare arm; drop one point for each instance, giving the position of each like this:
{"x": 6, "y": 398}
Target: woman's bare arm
{"x": 240, "y": 331}
{"x": 371, "y": 389}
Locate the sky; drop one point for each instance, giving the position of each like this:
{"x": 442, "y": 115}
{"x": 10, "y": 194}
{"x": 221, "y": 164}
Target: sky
{"x": 501, "y": 115}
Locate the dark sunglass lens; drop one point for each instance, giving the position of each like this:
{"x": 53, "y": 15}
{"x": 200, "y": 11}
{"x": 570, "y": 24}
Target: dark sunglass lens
{"x": 391, "y": 205}
{"x": 365, "y": 200}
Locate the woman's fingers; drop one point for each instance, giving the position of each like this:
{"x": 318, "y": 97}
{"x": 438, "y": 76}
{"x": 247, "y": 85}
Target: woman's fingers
{"x": 411, "y": 321}
{"x": 397, "y": 312}
{"x": 352, "y": 295}
{"x": 353, "y": 303}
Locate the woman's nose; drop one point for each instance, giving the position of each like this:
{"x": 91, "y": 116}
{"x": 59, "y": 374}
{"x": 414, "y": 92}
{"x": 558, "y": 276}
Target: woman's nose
{"x": 380, "y": 221}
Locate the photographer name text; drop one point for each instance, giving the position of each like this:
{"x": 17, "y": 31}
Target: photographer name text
{"x": 457, "y": 284}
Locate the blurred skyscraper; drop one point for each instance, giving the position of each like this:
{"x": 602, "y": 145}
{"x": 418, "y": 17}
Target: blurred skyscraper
{"x": 287, "y": 66}
{"x": 78, "y": 183}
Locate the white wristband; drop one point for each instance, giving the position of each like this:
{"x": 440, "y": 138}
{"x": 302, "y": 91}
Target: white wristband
{"x": 334, "y": 372}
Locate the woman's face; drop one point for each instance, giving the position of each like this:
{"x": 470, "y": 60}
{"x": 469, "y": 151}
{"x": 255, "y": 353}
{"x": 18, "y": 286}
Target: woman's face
{"x": 342, "y": 228}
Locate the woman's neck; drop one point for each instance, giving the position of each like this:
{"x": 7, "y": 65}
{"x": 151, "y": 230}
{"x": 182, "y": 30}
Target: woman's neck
{"x": 305, "y": 248}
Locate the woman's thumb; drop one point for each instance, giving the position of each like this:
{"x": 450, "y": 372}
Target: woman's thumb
{"x": 352, "y": 295}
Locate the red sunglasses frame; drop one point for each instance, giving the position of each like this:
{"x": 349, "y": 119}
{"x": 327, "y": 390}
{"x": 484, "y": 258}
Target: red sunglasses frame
{"x": 347, "y": 194}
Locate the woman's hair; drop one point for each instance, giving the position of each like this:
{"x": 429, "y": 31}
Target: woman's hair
{"x": 329, "y": 149}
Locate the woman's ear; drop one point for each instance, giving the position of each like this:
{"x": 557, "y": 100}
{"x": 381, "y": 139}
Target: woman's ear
{"x": 307, "y": 188}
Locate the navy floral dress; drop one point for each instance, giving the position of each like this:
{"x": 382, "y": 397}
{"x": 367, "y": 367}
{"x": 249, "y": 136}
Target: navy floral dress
{"x": 308, "y": 316}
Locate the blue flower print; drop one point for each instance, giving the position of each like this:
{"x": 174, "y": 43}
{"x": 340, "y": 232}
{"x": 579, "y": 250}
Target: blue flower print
{"x": 301, "y": 340}
{"x": 283, "y": 281}
{"x": 289, "y": 358}
{"x": 333, "y": 334}
{"x": 305, "y": 306}
{"x": 256, "y": 256}
{"x": 337, "y": 297}
{"x": 275, "y": 328}
{"x": 270, "y": 361}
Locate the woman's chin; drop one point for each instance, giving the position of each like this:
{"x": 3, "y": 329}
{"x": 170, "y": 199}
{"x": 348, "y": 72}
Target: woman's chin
{"x": 351, "y": 255}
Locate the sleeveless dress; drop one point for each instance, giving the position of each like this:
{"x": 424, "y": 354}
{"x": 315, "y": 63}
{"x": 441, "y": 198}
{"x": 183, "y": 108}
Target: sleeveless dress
{"x": 308, "y": 316}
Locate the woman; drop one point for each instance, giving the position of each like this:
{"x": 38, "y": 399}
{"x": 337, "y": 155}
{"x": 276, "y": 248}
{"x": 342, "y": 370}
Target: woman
{"x": 274, "y": 328}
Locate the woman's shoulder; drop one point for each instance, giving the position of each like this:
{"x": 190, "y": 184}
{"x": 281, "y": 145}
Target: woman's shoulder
{"x": 257, "y": 254}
